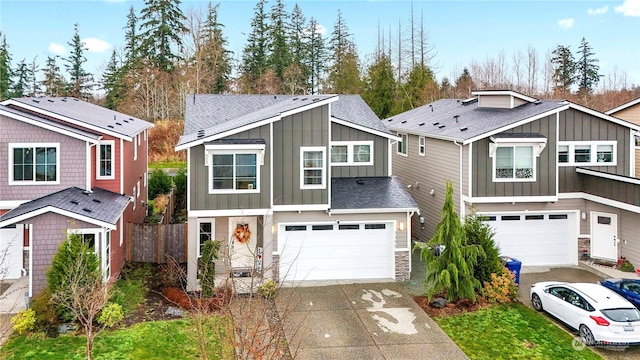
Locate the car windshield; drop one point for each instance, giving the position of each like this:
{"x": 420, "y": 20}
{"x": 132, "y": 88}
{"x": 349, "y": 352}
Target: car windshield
{"x": 631, "y": 286}
{"x": 622, "y": 315}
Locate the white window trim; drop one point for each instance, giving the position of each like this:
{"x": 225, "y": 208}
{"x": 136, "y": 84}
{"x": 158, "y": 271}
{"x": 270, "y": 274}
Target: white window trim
{"x": 99, "y": 247}
{"x": 213, "y": 232}
{"x": 138, "y": 138}
{"x": 405, "y": 141}
{"x": 34, "y": 145}
{"x": 537, "y": 149}
{"x": 133, "y": 196}
{"x": 594, "y": 153}
{"x": 351, "y": 153}
{"x": 138, "y": 189}
{"x": 259, "y": 162}
{"x": 636, "y": 136}
{"x": 322, "y": 149}
{"x": 113, "y": 160}
{"x": 422, "y": 146}
{"x": 135, "y": 147}
{"x": 145, "y": 179}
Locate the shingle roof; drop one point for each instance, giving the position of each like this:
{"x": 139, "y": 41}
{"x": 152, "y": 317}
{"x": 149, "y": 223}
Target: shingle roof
{"x": 370, "y": 193}
{"x": 56, "y": 124}
{"x": 84, "y": 112}
{"x": 98, "y": 204}
{"x": 211, "y": 114}
{"x": 438, "y": 118}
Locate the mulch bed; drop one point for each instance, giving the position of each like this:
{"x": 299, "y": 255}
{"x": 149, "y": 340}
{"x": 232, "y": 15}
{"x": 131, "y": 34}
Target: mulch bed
{"x": 459, "y": 307}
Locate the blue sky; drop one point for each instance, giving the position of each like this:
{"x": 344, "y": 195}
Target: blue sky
{"x": 460, "y": 31}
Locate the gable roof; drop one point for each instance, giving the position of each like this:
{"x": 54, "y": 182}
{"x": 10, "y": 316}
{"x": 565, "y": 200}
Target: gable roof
{"x": 370, "y": 194}
{"x": 98, "y": 206}
{"x": 80, "y": 113}
{"x": 212, "y": 116}
{"x": 623, "y": 106}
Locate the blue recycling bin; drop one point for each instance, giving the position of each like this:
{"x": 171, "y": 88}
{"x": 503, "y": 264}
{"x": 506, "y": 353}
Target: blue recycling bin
{"x": 514, "y": 265}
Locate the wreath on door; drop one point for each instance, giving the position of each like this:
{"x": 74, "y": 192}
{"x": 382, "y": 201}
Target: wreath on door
{"x": 242, "y": 234}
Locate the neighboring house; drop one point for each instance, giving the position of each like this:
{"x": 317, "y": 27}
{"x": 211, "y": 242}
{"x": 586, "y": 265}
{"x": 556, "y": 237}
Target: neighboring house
{"x": 552, "y": 178}
{"x": 296, "y": 187}
{"x": 630, "y": 111}
{"x": 67, "y": 165}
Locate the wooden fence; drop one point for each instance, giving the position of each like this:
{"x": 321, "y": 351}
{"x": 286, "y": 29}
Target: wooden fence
{"x": 154, "y": 242}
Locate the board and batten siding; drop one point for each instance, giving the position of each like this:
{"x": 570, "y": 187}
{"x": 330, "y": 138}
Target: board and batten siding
{"x": 380, "y": 165}
{"x": 578, "y": 126}
{"x": 72, "y": 169}
{"x": 545, "y": 184}
{"x": 499, "y": 101}
{"x": 200, "y": 198}
{"x": 440, "y": 165}
{"x": 308, "y": 128}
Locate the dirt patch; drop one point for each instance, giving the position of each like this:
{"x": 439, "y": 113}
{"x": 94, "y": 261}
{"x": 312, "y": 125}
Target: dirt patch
{"x": 459, "y": 307}
{"x": 154, "y": 308}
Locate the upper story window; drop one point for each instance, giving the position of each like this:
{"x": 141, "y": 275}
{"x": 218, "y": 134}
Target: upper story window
{"x": 591, "y": 153}
{"x": 636, "y": 139}
{"x": 514, "y": 163}
{"x": 312, "y": 167}
{"x": 105, "y": 164}
{"x": 352, "y": 153}
{"x": 31, "y": 164}
{"x": 421, "y": 146}
{"x": 402, "y": 144}
{"x": 234, "y": 167}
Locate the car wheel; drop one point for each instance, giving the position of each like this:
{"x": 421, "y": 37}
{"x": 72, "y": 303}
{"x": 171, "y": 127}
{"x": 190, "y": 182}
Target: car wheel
{"x": 587, "y": 336}
{"x": 536, "y": 302}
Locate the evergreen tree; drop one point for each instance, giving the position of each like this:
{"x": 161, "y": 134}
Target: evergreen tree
{"x": 316, "y": 55}
{"x": 131, "y": 47}
{"x": 586, "y": 68}
{"x": 254, "y": 55}
{"x": 21, "y": 80}
{"x": 344, "y": 72}
{"x": 451, "y": 272}
{"x": 564, "y": 68}
{"x": 380, "y": 86}
{"x": 113, "y": 83}
{"x": 34, "y": 85}
{"x": 162, "y": 26}
{"x": 297, "y": 75}
{"x": 415, "y": 91}
{"x": 464, "y": 84}
{"x": 446, "y": 90}
{"x": 5, "y": 68}
{"x": 279, "y": 53}
{"x": 53, "y": 82}
{"x": 215, "y": 57}
{"x": 79, "y": 80}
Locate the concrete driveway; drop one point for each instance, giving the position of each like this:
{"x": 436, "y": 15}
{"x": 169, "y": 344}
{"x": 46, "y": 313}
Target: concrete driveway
{"x": 572, "y": 274}
{"x": 360, "y": 321}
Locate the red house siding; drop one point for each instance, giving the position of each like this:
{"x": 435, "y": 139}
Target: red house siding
{"x": 133, "y": 173}
{"x": 110, "y": 184}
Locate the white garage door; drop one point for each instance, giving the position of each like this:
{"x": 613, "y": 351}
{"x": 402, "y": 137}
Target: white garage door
{"x": 537, "y": 238}
{"x": 11, "y": 244}
{"x": 336, "y": 251}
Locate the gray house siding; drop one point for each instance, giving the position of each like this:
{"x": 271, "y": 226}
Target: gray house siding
{"x": 380, "y": 165}
{"x": 432, "y": 171}
{"x": 629, "y": 228}
{"x": 578, "y": 126}
{"x": 499, "y": 101}
{"x": 309, "y": 128}
{"x": 199, "y": 179}
{"x": 71, "y": 170}
{"x": 545, "y": 184}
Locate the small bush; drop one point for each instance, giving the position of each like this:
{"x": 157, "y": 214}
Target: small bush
{"x": 110, "y": 315}
{"x": 626, "y": 266}
{"x": 501, "y": 289}
{"x": 24, "y": 321}
{"x": 44, "y": 309}
{"x": 128, "y": 294}
{"x": 268, "y": 289}
{"x": 479, "y": 233}
{"x": 160, "y": 203}
{"x": 159, "y": 183}
{"x": 207, "y": 268}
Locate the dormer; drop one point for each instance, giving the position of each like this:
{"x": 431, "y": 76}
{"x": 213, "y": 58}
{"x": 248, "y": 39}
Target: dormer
{"x": 501, "y": 99}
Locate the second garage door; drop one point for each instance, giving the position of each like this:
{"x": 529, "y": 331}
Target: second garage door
{"x": 336, "y": 251}
{"x": 537, "y": 238}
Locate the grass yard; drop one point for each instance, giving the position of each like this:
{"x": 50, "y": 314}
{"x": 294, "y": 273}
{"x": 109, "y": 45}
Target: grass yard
{"x": 174, "y": 339}
{"x": 167, "y": 165}
{"x": 510, "y": 332}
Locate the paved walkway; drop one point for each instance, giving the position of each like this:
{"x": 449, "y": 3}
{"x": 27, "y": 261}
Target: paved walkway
{"x": 360, "y": 321}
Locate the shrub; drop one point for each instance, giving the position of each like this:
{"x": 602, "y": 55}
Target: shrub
{"x": 479, "y": 233}
{"x": 24, "y": 321}
{"x": 207, "y": 268}
{"x": 159, "y": 183}
{"x": 626, "y": 266}
{"x": 44, "y": 309}
{"x": 128, "y": 294}
{"x": 268, "y": 289}
{"x": 180, "y": 179}
{"x": 160, "y": 203}
{"x": 110, "y": 315}
{"x": 501, "y": 289}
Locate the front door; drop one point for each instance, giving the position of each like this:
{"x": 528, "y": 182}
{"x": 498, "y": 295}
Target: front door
{"x": 604, "y": 236}
{"x": 11, "y": 245}
{"x": 243, "y": 235}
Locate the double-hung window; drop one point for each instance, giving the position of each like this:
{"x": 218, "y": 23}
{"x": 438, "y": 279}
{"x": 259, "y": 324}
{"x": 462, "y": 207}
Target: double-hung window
{"x": 422, "y": 149}
{"x": 402, "y": 144}
{"x": 234, "y": 169}
{"x": 587, "y": 153}
{"x": 514, "y": 163}
{"x": 106, "y": 163}
{"x": 351, "y": 153}
{"x": 312, "y": 167}
{"x": 34, "y": 164}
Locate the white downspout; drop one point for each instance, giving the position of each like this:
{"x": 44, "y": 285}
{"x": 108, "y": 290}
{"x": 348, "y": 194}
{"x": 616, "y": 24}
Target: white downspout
{"x": 462, "y": 207}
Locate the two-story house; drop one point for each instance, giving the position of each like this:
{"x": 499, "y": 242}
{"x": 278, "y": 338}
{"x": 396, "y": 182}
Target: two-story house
{"x": 554, "y": 179}
{"x": 67, "y": 165}
{"x": 630, "y": 111}
{"x": 296, "y": 187}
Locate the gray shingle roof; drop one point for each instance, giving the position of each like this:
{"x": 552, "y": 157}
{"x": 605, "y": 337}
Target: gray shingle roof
{"x": 211, "y": 114}
{"x": 471, "y": 120}
{"x": 99, "y": 204}
{"x": 370, "y": 193}
{"x": 59, "y": 125}
{"x": 97, "y": 116}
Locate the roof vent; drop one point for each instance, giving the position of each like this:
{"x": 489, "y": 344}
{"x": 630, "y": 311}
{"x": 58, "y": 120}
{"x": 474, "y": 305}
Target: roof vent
{"x": 537, "y": 102}
{"x": 200, "y": 133}
{"x": 295, "y": 98}
{"x": 127, "y": 121}
{"x": 75, "y": 99}
{"x": 63, "y": 100}
{"x": 96, "y": 201}
{"x": 421, "y": 124}
{"x": 86, "y": 210}
{"x": 463, "y": 128}
{"x": 436, "y": 123}
{"x": 74, "y": 202}
{"x": 360, "y": 182}
{"x": 118, "y": 124}
{"x": 431, "y": 106}
{"x": 440, "y": 126}
{"x": 316, "y": 99}
{"x": 36, "y": 101}
{"x": 391, "y": 119}
{"x": 131, "y": 119}
{"x": 469, "y": 101}
{"x": 455, "y": 117}
{"x": 404, "y": 121}
{"x": 303, "y": 99}
{"x": 50, "y": 100}
{"x": 110, "y": 126}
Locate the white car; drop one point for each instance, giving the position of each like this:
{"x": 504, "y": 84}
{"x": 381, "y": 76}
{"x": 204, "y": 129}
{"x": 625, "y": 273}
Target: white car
{"x": 598, "y": 314}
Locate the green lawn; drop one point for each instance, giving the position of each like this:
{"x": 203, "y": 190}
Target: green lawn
{"x": 173, "y": 339}
{"x": 511, "y": 332}
{"x": 168, "y": 165}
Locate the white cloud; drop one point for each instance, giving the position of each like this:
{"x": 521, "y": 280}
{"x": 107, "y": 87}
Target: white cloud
{"x": 321, "y": 29}
{"x": 96, "y": 45}
{"x": 599, "y": 11}
{"x": 629, "y": 8}
{"x": 57, "y": 49}
{"x": 565, "y": 23}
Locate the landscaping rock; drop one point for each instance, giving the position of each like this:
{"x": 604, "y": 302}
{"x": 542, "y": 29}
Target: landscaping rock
{"x": 174, "y": 311}
{"x": 66, "y": 328}
{"x": 439, "y": 303}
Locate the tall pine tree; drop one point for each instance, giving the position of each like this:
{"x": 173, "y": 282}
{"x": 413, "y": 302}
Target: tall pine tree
{"x": 113, "y": 82}
{"x": 295, "y": 79}
{"x": 53, "y": 83}
{"x": 215, "y": 58}
{"x": 586, "y": 68}
{"x": 80, "y": 81}
{"x": 131, "y": 41}
{"x": 344, "y": 71}
{"x": 5, "y": 68}
{"x": 162, "y": 27}
{"x": 380, "y": 86}
{"x": 564, "y": 69}
{"x": 279, "y": 52}
{"x": 255, "y": 53}
{"x": 316, "y": 56}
